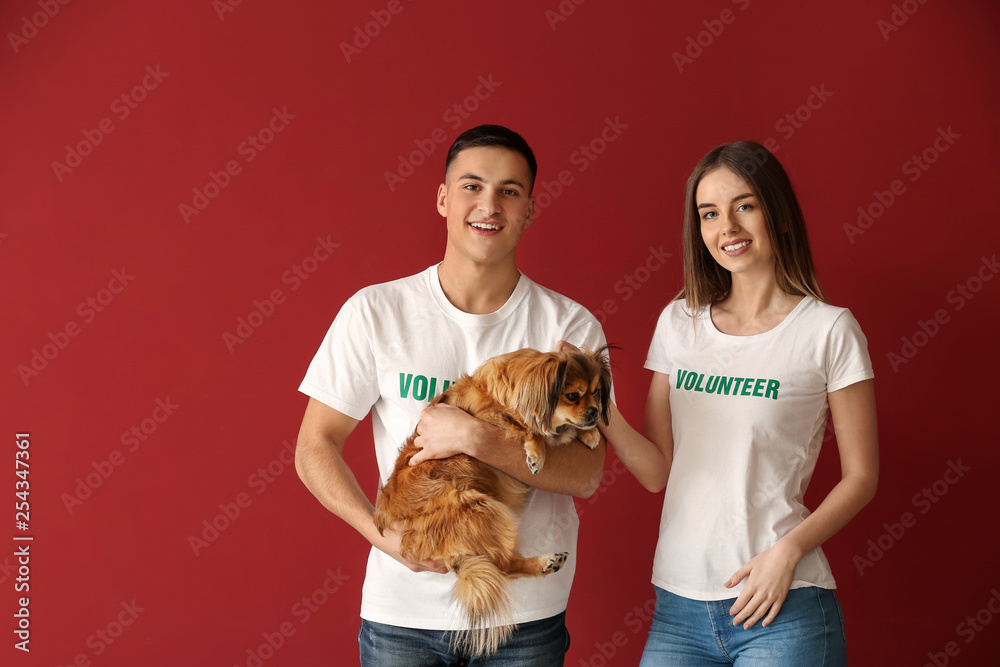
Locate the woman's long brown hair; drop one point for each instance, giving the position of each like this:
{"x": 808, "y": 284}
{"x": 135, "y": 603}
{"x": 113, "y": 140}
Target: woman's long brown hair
{"x": 705, "y": 281}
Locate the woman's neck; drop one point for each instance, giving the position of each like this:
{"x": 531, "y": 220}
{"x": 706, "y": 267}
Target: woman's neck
{"x": 753, "y": 307}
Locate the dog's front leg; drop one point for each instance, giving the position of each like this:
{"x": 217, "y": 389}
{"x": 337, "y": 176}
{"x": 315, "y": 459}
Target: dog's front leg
{"x": 534, "y": 450}
{"x": 591, "y": 437}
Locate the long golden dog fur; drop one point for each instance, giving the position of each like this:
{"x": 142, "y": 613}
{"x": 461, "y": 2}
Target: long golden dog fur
{"x": 464, "y": 512}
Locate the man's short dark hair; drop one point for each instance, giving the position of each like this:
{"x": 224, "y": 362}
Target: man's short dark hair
{"x": 493, "y": 136}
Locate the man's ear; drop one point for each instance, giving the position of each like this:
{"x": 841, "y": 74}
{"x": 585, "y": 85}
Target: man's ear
{"x": 531, "y": 212}
{"x": 442, "y": 205}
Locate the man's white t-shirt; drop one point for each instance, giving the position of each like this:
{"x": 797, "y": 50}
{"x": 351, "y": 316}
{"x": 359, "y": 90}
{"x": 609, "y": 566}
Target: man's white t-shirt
{"x": 390, "y": 350}
{"x": 749, "y": 415}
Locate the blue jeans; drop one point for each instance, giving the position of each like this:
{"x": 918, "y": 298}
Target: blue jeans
{"x": 807, "y": 632}
{"x": 536, "y": 644}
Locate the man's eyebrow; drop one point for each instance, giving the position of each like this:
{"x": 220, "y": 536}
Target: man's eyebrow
{"x": 734, "y": 199}
{"x": 480, "y": 179}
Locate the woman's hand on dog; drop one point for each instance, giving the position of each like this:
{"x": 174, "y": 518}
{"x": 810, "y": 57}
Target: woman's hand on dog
{"x": 563, "y": 346}
{"x": 444, "y": 431}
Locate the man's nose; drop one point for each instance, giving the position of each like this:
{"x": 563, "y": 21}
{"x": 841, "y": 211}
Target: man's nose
{"x": 489, "y": 201}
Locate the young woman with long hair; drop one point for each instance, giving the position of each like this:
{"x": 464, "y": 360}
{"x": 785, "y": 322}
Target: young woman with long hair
{"x": 748, "y": 361}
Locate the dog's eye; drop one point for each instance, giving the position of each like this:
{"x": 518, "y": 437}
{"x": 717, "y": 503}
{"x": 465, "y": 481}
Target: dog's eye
{"x": 597, "y": 393}
{"x": 573, "y": 397}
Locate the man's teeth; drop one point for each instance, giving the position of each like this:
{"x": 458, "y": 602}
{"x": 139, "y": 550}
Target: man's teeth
{"x": 485, "y": 225}
{"x": 735, "y": 246}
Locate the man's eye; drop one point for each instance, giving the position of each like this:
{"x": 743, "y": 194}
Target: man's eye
{"x": 573, "y": 397}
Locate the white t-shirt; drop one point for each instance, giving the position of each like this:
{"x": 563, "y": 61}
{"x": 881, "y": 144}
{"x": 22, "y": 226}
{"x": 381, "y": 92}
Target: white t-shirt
{"x": 749, "y": 415}
{"x": 390, "y": 350}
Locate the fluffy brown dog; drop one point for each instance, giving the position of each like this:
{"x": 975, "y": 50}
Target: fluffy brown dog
{"x": 464, "y": 512}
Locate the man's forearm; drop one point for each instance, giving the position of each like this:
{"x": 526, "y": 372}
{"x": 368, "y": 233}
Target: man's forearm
{"x": 325, "y": 473}
{"x": 571, "y": 469}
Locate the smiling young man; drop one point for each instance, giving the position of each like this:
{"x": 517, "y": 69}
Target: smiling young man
{"x": 391, "y": 349}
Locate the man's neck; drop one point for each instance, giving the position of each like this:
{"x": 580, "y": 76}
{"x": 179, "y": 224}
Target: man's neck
{"x": 477, "y": 288}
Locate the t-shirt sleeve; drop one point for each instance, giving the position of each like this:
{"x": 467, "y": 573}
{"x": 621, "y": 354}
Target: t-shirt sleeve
{"x": 658, "y": 358}
{"x": 847, "y": 360}
{"x": 589, "y": 335}
{"x": 344, "y": 373}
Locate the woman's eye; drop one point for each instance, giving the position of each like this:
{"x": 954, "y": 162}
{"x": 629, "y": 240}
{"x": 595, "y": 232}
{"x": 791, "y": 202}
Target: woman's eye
{"x": 708, "y": 215}
{"x": 573, "y": 397}
{"x": 745, "y": 207}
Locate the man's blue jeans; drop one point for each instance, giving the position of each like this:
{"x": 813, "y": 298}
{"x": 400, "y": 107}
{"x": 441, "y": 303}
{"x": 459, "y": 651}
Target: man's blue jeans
{"x": 809, "y": 630}
{"x": 535, "y": 644}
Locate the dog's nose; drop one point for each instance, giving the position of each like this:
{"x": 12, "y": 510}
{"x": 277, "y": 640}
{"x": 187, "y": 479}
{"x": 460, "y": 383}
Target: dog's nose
{"x": 592, "y": 414}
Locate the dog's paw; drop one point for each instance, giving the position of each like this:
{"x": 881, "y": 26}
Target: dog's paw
{"x": 591, "y": 438}
{"x": 555, "y": 562}
{"x": 533, "y": 465}
{"x": 534, "y": 455}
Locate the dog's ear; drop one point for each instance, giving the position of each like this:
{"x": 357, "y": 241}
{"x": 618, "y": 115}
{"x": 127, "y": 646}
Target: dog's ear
{"x": 537, "y": 389}
{"x": 556, "y": 378}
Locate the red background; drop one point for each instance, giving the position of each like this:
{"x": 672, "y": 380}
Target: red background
{"x": 886, "y": 91}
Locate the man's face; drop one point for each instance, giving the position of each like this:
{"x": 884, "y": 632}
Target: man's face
{"x": 485, "y": 199}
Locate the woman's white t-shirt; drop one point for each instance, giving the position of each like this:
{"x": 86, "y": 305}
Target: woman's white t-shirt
{"x": 749, "y": 415}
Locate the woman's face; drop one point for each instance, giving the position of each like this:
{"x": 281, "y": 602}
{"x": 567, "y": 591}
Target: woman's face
{"x": 732, "y": 224}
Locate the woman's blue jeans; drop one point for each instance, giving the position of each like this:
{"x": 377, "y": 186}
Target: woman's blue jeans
{"x": 808, "y": 631}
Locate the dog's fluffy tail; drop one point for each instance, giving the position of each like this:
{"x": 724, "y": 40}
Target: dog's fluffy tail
{"x": 482, "y": 592}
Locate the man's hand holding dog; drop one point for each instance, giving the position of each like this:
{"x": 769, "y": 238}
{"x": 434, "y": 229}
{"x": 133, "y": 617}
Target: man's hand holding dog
{"x": 445, "y": 430}
{"x": 391, "y": 547}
